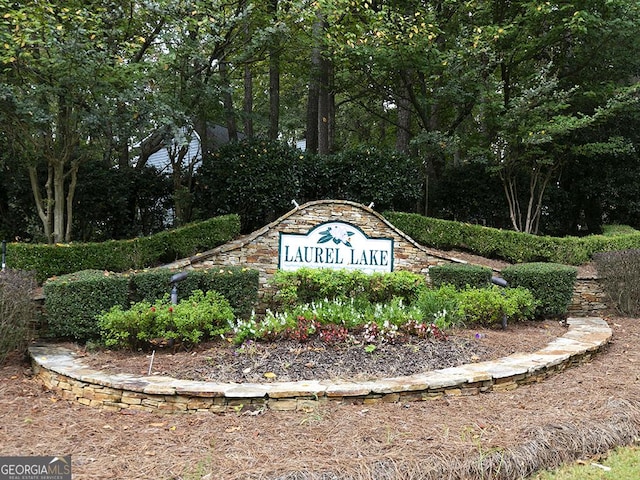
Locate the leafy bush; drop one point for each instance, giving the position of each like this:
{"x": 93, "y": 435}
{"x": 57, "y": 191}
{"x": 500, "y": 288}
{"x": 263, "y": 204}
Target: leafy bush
{"x": 460, "y": 275}
{"x": 307, "y": 285}
{"x": 440, "y": 306}
{"x": 551, "y": 284}
{"x": 73, "y": 302}
{"x": 17, "y": 311}
{"x": 487, "y": 306}
{"x": 254, "y": 178}
{"x": 620, "y": 274}
{"x": 364, "y": 174}
{"x": 191, "y": 321}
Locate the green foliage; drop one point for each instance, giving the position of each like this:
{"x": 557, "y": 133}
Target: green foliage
{"x": 614, "y": 230}
{"x": 17, "y": 311}
{"x": 238, "y": 285}
{"x": 508, "y": 245}
{"x": 306, "y": 285}
{"x": 440, "y": 306}
{"x": 487, "y": 306}
{"x": 364, "y": 174}
{"x": 620, "y": 273}
{"x": 191, "y": 321}
{"x": 256, "y": 179}
{"x": 460, "y": 275}
{"x": 73, "y": 302}
{"x": 122, "y": 255}
{"x": 551, "y": 284}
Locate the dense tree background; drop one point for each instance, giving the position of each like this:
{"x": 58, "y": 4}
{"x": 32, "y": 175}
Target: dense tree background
{"x": 511, "y": 114}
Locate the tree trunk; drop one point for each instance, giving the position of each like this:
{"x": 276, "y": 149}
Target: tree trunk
{"x": 403, "y": 134}
{"x": 71, "y": 191}
{"x": 247, "y": 105}
{"x": 59, "y": 202}
{"x": 42, "y": 207}
{"x": 274, "y": 77}
{"x": 313, "y": 98}
{"x": 227, "y": 101}
{"x": 323, "y": 108}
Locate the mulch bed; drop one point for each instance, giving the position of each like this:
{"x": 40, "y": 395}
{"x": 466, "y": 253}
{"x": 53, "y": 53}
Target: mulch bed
{"x": 314, "y": 359}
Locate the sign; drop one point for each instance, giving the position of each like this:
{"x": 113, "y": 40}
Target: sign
{"x": 337, "y": 245}
{"x": 35, "y": 468}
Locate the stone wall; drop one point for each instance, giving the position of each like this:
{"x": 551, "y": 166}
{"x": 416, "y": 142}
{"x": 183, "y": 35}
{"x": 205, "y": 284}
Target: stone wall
{"x": 589, "y": 298}
{"x": 61, "y": 370}
{"x": 259, "y": 249}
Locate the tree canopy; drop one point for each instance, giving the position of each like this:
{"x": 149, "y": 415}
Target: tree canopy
{"x": 537, "y": 97}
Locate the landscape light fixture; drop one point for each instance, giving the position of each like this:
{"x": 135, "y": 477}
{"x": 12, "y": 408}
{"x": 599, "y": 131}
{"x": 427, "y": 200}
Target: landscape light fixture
{"x": 174, "y": 280}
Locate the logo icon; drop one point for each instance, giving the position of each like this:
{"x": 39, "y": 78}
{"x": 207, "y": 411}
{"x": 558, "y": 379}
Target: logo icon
{"x": 337, "y": 234}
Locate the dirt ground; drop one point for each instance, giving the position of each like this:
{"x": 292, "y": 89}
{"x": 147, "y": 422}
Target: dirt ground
{"x": 579, "y": 413}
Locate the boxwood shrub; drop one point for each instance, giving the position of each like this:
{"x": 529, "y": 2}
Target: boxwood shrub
{"x": 122, "y": 255}
{"x": 73, "y": 302}
{"x": 460, "y": 275}
{"x": 514, "y": 247}
{"x": 551, "y": 284}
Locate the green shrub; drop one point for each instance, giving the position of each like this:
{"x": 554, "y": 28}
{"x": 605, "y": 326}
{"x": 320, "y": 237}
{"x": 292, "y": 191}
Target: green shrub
{"x": 307, "y": 285}
{"x": 460, "y": 275}
{"x": 254, "y": 178}
{"x": 440, "y": 306}
{"x": 551, "y": 284}
{"x": 508, "y": 245}
{"x": 620, "y": 274}
{"x": 191, "y": 321}
{"x": 122, "y": 255}
{"x": 73, "y": 302}
{"x": 17, "y": 311}
{"x": 238, "y": 285}
{"x": 488, "y": 306}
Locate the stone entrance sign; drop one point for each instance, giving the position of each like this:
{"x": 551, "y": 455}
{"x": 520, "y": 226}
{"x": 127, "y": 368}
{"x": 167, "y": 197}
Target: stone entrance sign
{"x": 337, "y": 245}
{"x": 322, "y": 233}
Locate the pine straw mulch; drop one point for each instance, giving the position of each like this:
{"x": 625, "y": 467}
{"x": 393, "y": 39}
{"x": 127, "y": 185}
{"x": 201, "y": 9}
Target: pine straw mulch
{"x": 578, "y": 414}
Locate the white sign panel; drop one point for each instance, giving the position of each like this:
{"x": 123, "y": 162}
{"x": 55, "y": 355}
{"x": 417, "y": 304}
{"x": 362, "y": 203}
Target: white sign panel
{"x": 337, "y": 245}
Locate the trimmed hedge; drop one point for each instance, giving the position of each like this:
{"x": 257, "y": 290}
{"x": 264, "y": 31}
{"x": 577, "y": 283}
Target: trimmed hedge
{"x": 460, "y": 275}
{"x": 514, "y": 247}
{"x": 551, "y": 284}
{"x": 73, "y": 302}
{"x": 122, "y": 255}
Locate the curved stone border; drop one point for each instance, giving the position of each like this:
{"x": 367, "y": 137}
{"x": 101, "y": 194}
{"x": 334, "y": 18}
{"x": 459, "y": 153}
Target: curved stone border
{"x": 59, "y": 369}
